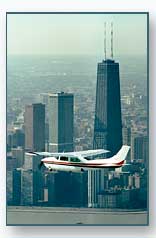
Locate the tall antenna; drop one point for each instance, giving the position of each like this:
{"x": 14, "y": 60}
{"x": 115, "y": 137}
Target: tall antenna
{"x": 112, "y": 40}
{"x": 105, "y": 41}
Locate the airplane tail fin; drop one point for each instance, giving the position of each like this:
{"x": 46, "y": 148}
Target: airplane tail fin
{"x": 121, "y": 155}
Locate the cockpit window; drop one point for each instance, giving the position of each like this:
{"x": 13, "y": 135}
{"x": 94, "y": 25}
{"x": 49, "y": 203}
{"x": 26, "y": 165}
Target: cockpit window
{"x": 87, "y": 158}
{"x": 64, "y": 158}
{"x": 75, "y": 159}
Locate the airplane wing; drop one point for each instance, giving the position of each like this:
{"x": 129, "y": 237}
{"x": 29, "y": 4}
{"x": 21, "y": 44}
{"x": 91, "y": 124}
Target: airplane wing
{"x": 48, "y": 154}
{"x": 88, "y": 153}
{"x": 83, "y": 153}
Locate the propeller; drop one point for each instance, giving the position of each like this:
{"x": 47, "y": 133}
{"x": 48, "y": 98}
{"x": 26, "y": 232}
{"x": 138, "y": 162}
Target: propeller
{"x": 40, "y": 165}
{"x": 32, "y": 153}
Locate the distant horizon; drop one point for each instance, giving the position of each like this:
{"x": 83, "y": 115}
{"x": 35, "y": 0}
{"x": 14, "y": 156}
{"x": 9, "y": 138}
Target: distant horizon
{"x": 76, "y": 33}
{"x": 95, "y": 55}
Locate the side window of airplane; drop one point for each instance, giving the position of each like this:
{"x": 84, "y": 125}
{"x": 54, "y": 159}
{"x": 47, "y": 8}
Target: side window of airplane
{"x": 64, "y": 158}
{"x": 74, "y": 159}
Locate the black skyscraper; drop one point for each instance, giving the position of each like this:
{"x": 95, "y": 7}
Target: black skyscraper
{"x": 108, "y": 125}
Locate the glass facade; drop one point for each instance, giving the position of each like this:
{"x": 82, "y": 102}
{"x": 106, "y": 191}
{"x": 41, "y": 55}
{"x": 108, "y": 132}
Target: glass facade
{"x": 107, "y": 124}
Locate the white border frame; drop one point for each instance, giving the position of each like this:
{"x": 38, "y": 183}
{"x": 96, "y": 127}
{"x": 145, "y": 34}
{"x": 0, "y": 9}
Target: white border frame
{"x": 79, "y": 5}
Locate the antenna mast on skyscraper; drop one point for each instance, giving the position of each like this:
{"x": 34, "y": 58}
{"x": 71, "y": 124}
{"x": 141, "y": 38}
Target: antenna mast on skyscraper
{"x": 105, "y": 40}
{"x": 112, "y": 40}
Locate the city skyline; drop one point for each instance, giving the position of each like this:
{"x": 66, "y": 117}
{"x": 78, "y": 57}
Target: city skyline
{"x": 125, "y": 187}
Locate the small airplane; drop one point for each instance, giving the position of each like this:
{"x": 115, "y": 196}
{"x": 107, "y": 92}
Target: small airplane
{"x": 79, "y": 162}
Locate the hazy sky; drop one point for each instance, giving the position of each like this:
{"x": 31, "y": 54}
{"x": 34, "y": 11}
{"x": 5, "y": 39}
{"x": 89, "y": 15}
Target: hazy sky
{"x": 75, "y": 33}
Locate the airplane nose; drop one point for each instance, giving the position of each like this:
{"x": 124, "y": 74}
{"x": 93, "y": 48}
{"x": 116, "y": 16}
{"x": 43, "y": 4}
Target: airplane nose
{"x": 43, "y": 159}
{"x": 46, "y": 159}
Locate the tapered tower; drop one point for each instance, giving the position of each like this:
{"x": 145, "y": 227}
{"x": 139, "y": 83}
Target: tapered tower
{"x": 107, "y": 124}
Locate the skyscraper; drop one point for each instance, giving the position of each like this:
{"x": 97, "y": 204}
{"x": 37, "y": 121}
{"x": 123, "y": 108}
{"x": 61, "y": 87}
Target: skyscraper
{"x": 31, "y": 187}
{"x": 126, "y": 134}
{"x": 44, "y": 99}
{"x": 16, "y": 186}
{"x": 18, "y": 153}
{"x": 16, "y": 138}
{"x": 62, "y": 193}
{"x": 34, "y": 121}
{"x": 61, "y": 122}
{"x": 107, "y": 124}
{"x": 139, "y": 148}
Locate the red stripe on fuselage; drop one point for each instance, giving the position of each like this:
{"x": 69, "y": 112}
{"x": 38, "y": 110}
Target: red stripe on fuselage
{"x": 90, "y": 165}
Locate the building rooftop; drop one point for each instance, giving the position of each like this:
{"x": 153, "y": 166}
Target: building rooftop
{"x": 60, "y": 94}
{"x": 108, "y": 61}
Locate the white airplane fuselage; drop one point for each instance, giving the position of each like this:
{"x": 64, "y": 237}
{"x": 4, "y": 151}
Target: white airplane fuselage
{"x": 84, "y": 165}
{"x": 79, "y": 161}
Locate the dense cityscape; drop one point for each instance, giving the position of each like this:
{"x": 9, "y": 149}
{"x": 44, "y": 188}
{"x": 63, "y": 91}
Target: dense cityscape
{"x": 42, "y": 89}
